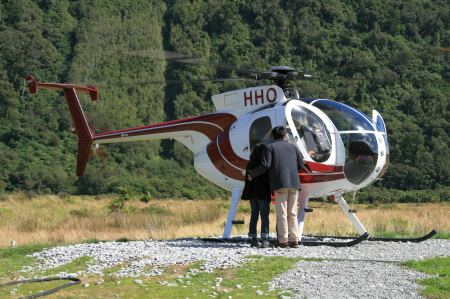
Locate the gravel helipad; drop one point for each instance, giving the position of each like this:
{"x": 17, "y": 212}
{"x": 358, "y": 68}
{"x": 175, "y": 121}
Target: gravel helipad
{"x": 367, "y": 270}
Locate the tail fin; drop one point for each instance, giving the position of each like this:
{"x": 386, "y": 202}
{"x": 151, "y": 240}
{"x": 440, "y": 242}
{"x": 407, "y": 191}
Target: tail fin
{"x": 85, "y": 136}
{"x": 32, "y": 84}
{"x": 84, "y": 133}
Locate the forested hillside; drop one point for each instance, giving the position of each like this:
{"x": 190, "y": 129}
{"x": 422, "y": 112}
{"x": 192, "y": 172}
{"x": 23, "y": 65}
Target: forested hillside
{"x": 386, "y": 55}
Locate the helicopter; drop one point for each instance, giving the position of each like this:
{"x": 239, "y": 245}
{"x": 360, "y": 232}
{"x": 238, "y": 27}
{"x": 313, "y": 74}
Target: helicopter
{"x": 344, "y": 149}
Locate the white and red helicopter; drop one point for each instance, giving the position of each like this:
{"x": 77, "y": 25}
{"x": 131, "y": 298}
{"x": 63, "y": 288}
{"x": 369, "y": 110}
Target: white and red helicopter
{"x": 344, "y": 150}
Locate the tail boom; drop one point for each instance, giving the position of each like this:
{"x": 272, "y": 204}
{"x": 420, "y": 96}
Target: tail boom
{"x": 194, "y": 132}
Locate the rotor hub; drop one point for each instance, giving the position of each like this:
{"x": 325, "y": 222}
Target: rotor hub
{"x": 281, "y": 75}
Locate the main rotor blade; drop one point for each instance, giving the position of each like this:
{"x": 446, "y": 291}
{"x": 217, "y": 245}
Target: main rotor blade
{"x": 188, "y": 59}
{"x": 173, "y": 81}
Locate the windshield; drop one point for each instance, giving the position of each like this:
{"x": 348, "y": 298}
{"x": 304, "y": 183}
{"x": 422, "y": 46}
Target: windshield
{"x": 345, "y": 118}
{"x": 313, "y": 133}
{"x": 361, "y": 156}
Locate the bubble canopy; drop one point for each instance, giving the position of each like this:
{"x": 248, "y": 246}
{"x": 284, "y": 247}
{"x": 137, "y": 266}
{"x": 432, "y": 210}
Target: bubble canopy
{"x": 358, "y": 136}
{"x": 344, "y": 117}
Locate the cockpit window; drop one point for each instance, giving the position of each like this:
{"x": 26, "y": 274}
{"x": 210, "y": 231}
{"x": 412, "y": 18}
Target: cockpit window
{"x": 260, "y": 131}
{"x": 344, "y": 117}
{"x": 313, "y": 133}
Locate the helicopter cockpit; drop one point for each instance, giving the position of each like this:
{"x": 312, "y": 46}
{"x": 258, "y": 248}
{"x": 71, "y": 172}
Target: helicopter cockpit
{"x": 357, "y": 132}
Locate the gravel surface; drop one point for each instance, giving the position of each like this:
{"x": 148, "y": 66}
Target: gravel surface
{"x": 367, "y": 270}
{"x": 350, "y": 279}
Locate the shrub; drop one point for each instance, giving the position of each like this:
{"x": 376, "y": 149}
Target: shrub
{"x": 118, "y": 203}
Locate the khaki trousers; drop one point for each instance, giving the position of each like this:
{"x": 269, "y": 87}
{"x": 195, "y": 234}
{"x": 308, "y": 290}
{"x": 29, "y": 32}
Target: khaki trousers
{"x": 286, "y": 207}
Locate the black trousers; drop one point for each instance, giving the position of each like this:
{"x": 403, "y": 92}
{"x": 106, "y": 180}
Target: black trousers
{"x": 259, "y": 207}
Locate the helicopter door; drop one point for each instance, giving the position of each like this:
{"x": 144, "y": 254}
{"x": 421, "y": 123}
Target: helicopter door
{"x": 313, "y": 132}
{"x": 259, "y": 131}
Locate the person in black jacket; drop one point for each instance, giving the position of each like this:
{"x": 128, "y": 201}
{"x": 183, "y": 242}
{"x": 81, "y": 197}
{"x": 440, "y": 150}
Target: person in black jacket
{"x": 282, "y": 161}
{"x": 258, "y": 192}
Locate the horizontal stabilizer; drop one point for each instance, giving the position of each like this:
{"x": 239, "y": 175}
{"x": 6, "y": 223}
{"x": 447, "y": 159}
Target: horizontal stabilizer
{"x": 34, "y": 85}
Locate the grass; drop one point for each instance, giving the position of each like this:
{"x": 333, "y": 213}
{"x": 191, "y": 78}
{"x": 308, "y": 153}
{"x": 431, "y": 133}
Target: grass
{"x": 436, "y": 287}
{"x": 443, "y": 235}
{"x": 12, "y": 259}
{"x": 237, "y": 282}
{"x": 76, "y": 265}
{"x": 73, "y": 219}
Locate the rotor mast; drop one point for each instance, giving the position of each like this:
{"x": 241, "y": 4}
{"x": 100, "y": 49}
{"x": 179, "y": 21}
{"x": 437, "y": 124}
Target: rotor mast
{"x": 281, "y": 75}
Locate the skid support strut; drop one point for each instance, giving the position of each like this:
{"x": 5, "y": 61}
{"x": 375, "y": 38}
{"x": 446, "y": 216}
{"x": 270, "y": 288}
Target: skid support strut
{"x": 235, "y": 198}
{"x": 339, "y": 199}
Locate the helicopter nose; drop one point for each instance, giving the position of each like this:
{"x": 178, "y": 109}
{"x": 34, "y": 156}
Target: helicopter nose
{"x": 362, "y": 154}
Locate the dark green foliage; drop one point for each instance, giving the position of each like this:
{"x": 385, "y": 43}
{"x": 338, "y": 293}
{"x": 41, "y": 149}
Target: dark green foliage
{"x": 381, "y": 55}
{"x": 383, "y": 195}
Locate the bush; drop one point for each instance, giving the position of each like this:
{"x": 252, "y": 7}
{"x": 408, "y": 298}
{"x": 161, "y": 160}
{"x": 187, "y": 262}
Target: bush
{"x": 376, "y": 195}
{"x": 118, "y": 203}
{"x": 145, "y": 198}
{"x": 189, "y": 194}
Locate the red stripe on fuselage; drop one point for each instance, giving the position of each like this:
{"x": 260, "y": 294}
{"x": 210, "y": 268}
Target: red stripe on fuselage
{"x": 227, "y": 150}
{"x": 314, "y": 166}
{"x": 306, "y": 178}
{"x": 222, "y": 164}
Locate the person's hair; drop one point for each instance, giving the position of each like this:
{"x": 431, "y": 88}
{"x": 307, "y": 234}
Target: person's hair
{"x": 257, "y": 152}
{"x": 278, "y": 132}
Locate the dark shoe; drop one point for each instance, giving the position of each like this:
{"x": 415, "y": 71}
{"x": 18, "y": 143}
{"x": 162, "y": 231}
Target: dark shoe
{"x": 293, "y": 244}
{"x": 255, "y": 243}
{"x": 282, "y": 245}
{"x": 265, "y": 243}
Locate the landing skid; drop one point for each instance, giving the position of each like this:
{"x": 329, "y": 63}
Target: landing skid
{"x": 370, "y": 238}
{"x": 362, "y": 231}
{"x": 414, "y": 240}
{"x": 324, "y": 242}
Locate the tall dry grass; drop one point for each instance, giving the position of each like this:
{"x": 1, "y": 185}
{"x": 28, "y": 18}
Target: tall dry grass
{"x": 53, "y": 219}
